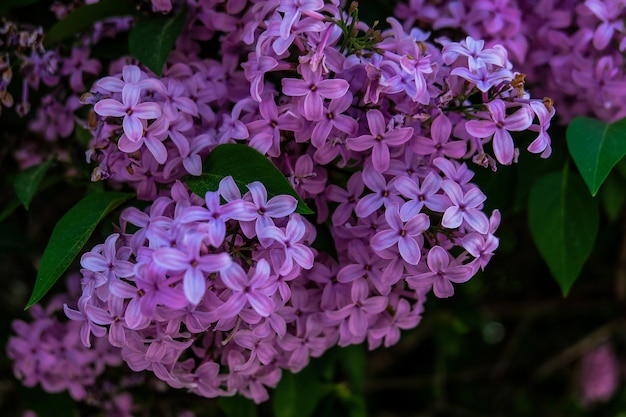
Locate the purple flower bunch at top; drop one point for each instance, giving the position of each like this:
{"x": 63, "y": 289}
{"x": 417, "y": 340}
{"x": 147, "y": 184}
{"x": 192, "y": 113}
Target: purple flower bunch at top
{"x": 571, "y": 51}
{"x": 153, "y": 131}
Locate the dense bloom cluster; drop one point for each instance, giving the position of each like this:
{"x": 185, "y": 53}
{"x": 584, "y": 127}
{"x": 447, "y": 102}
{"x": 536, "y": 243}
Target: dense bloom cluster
{"x": 49, "y": 352}
{"x": 219, "y": 293}
{"x": 219, "y": 298}
{"x": 571, "y": 50}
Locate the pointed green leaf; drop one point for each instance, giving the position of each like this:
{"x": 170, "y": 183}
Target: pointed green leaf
{"x": 596, "y": 147}
{"x": 27, "y": 182}
{"x": 237, "y": 406}
{"x": 563, "y": 220}
{"x": 612, "y": 196}
{"x": 297, "y": 395}
{"x": 85, "y": 16}
{"x": 245, "y": 165}
{"x": 70, "y": 235}
{"x": 153, "y": 38}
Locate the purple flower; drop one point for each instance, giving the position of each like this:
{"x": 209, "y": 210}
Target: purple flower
{"x": 254, "y": 289}
{"x": 465, "y": 208}
{"x": 132, "y": 79}
{"x": 499, "y": 127}
{"x": 609, "y": 13}
{"x": 77, "y": 64}
{"x": 419, "y": 196}
{"x": 291, "y": 250}
{"x": 380, "y": 139}
{"x": 484, "y": 78}
{"x": 113, "y": 317}
{"x": 402, "y": 234}
{"x": 131, "y": 110}
{"x": 354, "y": 316}
{"x": 600, "y": 374}
{"x": 439, "y": 143}
{"x": 151, "y": 288}
{"x": 293, "y": 9}
{"x": 333, "y": 118}
{"x": 211, "y": 221}
{"x": 255, "y": 68}
{"x": 442, "y": 271}
{"x": 383, "y": 193}
{"x": 403, "y": 318}
{"x": 152, "y": 136}
{"x": 265, "y": 131}
{"x": 476, "y": 56}
{"x": 177, "y": 100}
{"x": 195, "y": 266}
{"x": 263, "y": 210}
{"x": 364, "y": 263}
{"x": 314, "y": 89}
{"x": 347, "y": 199}
{"x": 542, "y": 142}
{"x": 108, "y": 260}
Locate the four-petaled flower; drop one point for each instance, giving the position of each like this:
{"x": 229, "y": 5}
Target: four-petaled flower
{"x": 314, "y": 89}
{"x": 499, "y": 127}
{"x": 380, "y": 139}
{"x": 131, "y": 110}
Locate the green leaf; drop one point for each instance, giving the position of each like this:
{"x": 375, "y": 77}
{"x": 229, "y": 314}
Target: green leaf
{"x": 46, "y": 404}
{"x": 245, "y": 165}
{"x": 353, "y": 363}
{"x": 152, "y": 39}
{"x": 83, "y": 135}
{"x": 596, "y": 147}
{"x": 237, "y": 406}
{"x": 27, "y": 182}
{"x": 612, "y": 196}
{"x": 563, "y": 220}
{"x": 70, "y": 235}
{"x": 297, "y": 395}
{"x": 356, "y": 406}
{"x": 324, "y": 241}
{"x": 85, "y": 16}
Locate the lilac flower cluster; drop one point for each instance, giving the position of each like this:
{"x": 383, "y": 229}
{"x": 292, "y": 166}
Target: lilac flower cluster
{"x": 49, "y": 352}
{"x": 219, "y": 293}
{"x": 23, "y": 44}
{"x": 572, "y": 51}
{"x": 200, "y": 285}
{"x": 153, "y": 131}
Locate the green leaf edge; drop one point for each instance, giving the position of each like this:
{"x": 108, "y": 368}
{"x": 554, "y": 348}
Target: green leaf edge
{"x": 26, "y": 183}
{"x": 137, "y": 47}
{"x": 195, "y": 183}
{"x": 592, "y": 183}
{"x": 290, "y": 390}
{"x": 59, "y": 265}
{"x": 565, "y": 174}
